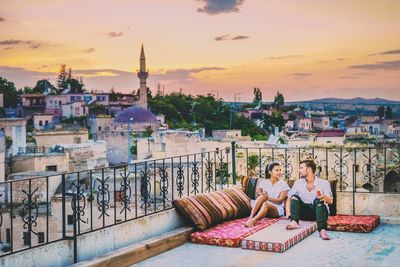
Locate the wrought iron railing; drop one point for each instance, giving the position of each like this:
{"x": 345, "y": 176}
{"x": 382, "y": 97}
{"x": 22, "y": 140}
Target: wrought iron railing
{"x": 42, "y": 210}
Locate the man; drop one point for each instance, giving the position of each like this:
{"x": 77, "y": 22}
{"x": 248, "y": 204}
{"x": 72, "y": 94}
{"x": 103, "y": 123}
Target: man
{"x": 309, "y": 199}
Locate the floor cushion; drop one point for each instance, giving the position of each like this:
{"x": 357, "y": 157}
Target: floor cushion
{"x": 353, "y": 223}
{"x": 205, "y": 210}
{"x": 229, "y": 234}
{"x": 276, "y": 238}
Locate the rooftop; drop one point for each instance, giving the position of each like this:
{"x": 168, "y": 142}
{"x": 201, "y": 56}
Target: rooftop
{"x": 135, "y": 114}
{"x": 378, "y": 248}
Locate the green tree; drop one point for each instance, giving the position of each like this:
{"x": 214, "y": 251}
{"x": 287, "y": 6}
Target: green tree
{"x": 62, "y": 78}
{"x": 257, "y": 96}
{"x": 275, "y": 120}
{"x": 252, "y": 163}
{"x": 389, "y": 113}
{"x": 97, "y": 109}
{"x": 10, "y": 93}
{"x": 43, "y": 85}
{"x": 75, "y": 85}
{"x": 381, "y": 112}
{"x": 279, "y": 100}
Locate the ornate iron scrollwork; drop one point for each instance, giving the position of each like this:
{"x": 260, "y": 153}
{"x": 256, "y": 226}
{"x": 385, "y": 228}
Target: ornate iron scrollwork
{"x": 369, "y": 170}
{"x": 222, "y": 171}
{"x": 195, "y": 177}
{"x": 126, "y": 188}
{"x": 81, "y": 200}
{"x": 145, "y": 186}
{"x": 29, "y": 212}
{"x": 340, "y": 169}
{"x": 103, "y": 197}
{"x": 180, "y": 179}
{"x": 209, "y": 174}
{"x": 163, "y": 172}
{"x": 287, "y": 165}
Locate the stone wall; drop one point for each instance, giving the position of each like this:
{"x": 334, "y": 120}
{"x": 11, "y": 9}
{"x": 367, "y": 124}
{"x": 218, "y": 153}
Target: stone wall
{"x": 60, "y": 137}
{"x": 385, "y": 205}
{"x": 90, "y": 155}
{"x": 39, "y": 162}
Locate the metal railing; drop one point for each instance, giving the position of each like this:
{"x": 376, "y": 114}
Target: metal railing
{"x": 42, "y": 210}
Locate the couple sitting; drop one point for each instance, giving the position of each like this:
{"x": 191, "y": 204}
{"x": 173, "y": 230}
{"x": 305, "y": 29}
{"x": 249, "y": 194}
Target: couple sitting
{"x": 308, "y": 199}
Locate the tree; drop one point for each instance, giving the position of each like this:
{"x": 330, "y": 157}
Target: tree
{"x": 381, "y": 112}
{"x": 389, "y": 113}
{"x": 257, "y": 96}
{"x": 97, "y": 109}
{"x": 10, "y": 93}
{"x": 252, "y": 163}
{"x": 75, "y": 85}
{"x": 62, "y": 78}
{"x": 279, "y": 100}
{"x": 43, "y": 85}
{"x": 275, "y": 120}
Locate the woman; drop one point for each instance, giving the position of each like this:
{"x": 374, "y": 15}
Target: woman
{"x": 271, "y": 194}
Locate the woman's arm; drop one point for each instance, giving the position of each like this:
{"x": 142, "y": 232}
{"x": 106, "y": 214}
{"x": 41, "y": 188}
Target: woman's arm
{"x": 280, "y": 199}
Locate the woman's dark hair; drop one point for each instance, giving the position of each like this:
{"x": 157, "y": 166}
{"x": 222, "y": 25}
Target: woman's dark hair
{"x": 269, "y": 169}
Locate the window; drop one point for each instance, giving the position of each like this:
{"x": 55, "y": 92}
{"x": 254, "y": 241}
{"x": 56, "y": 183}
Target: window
{"x": 70, "y": 219}
{"x": 27, "y": 238}
{"x": 40, "y": 123}
{"x": 51, "y": 168}
{"x": 77, "y": 140}
{"x": 72, "y": 98}
{"x": 8, "y": 235}
{"x": 41, "y": 237}
{"x": 59, "y": 103}
{"x": 99, "y": 128}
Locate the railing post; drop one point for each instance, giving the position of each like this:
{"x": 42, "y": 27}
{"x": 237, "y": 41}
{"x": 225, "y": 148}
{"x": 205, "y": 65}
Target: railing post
{"x": 63, "y": 206}
{"x": 234, "y": 162}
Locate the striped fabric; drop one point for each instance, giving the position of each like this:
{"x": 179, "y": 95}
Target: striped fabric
{"x": 205, "y": 210}
{"x": 249, "y": 186}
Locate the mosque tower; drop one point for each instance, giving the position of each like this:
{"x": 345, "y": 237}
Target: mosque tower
{"x": 142, "y": 75}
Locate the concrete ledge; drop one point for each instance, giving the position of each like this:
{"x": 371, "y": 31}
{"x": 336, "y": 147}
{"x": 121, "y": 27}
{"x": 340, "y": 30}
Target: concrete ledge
{"x": 390, "y": 220}
{"x": 142, "y": 250}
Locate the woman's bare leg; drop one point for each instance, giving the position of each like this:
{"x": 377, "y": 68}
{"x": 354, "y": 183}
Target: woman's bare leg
{"x": 257, "y": 205}
{"x": 268, "y": 210}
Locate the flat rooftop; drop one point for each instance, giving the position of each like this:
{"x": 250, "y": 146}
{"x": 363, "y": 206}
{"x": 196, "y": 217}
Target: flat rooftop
{"x": 381, "y": 247}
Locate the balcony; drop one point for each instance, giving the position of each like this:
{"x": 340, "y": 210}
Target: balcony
{"x": 96, "y": 211}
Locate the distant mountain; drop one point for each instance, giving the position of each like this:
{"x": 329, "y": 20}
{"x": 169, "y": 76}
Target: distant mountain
{"x": 357, "y": 100}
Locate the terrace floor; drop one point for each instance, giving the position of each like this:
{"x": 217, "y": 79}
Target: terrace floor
{"x": 378, "y": 248}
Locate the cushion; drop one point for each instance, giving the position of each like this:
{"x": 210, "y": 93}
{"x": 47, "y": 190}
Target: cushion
{"x": 250, "y": 187}
{"x": 205, "y": 210}
{"x": 333, "y": 183}
{"x": 353, "y": 223}
{"x": 276, "y": 238}
{"x": 229, "y": 234}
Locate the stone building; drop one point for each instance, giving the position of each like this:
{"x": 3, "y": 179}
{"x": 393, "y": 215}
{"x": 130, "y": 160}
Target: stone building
{"x": 61, "y": 137}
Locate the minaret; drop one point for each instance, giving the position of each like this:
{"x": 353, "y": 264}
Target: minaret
{"x": 142, "y": 75}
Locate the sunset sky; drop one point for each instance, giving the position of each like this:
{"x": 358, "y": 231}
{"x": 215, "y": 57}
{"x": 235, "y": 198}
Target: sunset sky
{"x": 306, "y": 49}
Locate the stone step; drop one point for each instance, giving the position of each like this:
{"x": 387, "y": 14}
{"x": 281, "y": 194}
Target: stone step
{"x": 140, "y": 251}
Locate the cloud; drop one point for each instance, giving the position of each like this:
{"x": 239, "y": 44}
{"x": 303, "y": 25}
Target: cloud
{"x": 222, "y": 37}
{"x": 300, "y": 74}
{"x": 23, "y": 77}
{"x": 349, "y": 77}
{"x": 90, "y": 50}
{"x": 115, "y": 34}
{"x": 2, "y": 19}
{"x": 227, "y": 38}
{"x": 391, "y": 52}
{"x": 281, "y": 57}
{"x": 380, "y": 65}
{"x": 214, "y": 7}
{"x": 183, "y": 74}
{"x": 240, "y": 37}
{"x": 340, "y": 59}
{"x": 10, "y": 44}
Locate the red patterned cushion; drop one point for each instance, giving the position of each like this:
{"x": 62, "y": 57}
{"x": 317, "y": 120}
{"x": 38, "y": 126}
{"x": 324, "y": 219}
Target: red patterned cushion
{"x": 229, "y": 234}
{"x": 356, "y": 223}
{"x": 276, "y": 238}
{"x": 205, "y": 210}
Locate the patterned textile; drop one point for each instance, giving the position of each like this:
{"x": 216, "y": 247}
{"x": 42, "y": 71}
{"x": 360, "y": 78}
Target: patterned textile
{"x": 251, "y": 187}
{"x": 276, "y": 238}
{"x": 229, "y": 234}
{"x": 205, "y": 210}
{"x": 356, "y": 223}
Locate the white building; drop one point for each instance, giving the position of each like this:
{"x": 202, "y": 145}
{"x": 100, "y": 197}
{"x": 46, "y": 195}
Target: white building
{"x": 74, "y": 109}
{"x": 42, "y": 121}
